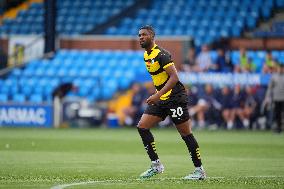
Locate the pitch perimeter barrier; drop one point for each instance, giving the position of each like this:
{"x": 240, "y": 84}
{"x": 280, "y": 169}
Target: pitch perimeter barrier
{"x": 27, "y": 115}
{"x": 30, "y": 115}
{"x": 225, "y": 78}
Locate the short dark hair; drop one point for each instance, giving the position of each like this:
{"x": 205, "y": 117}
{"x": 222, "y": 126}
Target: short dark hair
{"x": 149, "y": 28}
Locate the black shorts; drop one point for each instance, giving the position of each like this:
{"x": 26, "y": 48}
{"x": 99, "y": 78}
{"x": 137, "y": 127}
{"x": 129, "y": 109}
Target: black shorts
{"x": 175, "y": 107}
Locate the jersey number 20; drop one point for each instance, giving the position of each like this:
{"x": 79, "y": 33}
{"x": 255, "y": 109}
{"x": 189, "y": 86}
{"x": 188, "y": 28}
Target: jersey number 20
{"x": 177, "y": 112}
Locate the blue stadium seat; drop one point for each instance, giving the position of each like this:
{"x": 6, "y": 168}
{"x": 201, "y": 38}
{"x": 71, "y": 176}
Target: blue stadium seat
{"x": 16, "y": 72}
{"x": 250, "y": 22}
{"x": 36, "y": 98}
{"x": 20, "y": 98}
{"x": 82, "y": 16}
{"x": 258, "y": 62}
{"x": 280, "y": 3}
{"x": 90, "y": 70}
{"x": 27, "y": 90}
{"x": 214, "y": 55}
{"x": 236, "y": 31}
{"x": 3, "y": 98}
{"x": 112, "y": 87}
{"x": 266, "y": 12}
{"x": 5, "y": 89}
{"x": 235, "y": 56}
{"x": 189, "y": 18}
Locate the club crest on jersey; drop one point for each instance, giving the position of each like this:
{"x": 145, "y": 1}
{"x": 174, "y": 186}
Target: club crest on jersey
{"x": 151, "y": 61}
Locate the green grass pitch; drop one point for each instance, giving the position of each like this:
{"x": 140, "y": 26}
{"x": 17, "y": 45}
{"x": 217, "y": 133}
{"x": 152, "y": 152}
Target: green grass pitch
{"x": 113, "y": 158}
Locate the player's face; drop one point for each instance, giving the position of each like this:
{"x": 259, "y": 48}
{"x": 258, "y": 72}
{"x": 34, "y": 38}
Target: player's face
{"x": 145, "y": 38}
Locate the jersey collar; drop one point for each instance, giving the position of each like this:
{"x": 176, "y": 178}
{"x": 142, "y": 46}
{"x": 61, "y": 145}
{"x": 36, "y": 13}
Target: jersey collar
{"x": 155, "y": 45}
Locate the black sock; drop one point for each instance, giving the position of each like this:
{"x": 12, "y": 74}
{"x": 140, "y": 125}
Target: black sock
{"x": 193, "y": 149}
{"x": 149, "y": 143}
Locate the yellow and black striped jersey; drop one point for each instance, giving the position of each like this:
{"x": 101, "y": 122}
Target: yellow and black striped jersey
{"x": 156, "y": 62}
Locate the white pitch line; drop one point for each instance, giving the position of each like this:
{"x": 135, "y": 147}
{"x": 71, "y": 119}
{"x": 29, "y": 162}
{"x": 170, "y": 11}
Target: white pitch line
{"x": 262, "y": 176}
{"x": 161, "y": 179}
{"x": 83, "y": 183}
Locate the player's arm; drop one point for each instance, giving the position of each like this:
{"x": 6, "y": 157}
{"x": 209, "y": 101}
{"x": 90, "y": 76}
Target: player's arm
{"x": 172, "y": 72}
{"x": 173, "y": 79}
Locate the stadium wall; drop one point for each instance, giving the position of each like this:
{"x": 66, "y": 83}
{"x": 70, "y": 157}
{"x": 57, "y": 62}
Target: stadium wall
{"x": 174, "y": 45}
{"x": 257, "y": 44}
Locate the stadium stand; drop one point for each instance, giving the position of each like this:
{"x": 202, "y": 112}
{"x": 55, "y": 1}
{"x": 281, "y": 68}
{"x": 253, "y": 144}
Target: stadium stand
{"x": 89, "y": 70}
{"x": 100, "y": 74}
{"x": 230, "y": 18}
{"x": 187, "y": 17}
{"x": 73, "y": 17}
{"x": 198, "y": 18}
{"x": 257, "y": 57}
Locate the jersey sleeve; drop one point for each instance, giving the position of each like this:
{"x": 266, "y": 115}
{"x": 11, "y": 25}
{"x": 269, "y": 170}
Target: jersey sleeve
{"x": 165, "y": 59}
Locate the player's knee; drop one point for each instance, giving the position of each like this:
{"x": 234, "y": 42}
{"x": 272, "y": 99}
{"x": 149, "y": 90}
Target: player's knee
{"x": 143, "y": 131}
{"x": 141, "y": 125}
{"x": 184, "y": 133}
{"x": 184, "y": 130}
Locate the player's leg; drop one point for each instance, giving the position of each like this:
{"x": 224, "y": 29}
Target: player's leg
{"x": 146, "y": 122}
{"x": 193, "y": 148}
{"x": 227, "y": 116}
{"x": 278, "y": 108}
{"x": 149, "y": 119}
{"x": 241, "y": 114}
{"x": 180, "y": 116}
{"x": 203, "y": 107}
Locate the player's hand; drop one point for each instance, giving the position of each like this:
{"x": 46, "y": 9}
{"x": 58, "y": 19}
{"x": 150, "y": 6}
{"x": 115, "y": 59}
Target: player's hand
{"x": 153, "y": 99}
{"x": 266, "y": 101}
